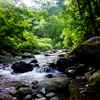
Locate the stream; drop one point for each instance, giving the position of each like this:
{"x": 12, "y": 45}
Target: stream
{"x": 7, "y": 79}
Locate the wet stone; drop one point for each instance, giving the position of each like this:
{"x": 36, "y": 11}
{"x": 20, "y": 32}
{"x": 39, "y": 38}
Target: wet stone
{"x": 50, "y": 95}
{"x": 84, "y": 92}
{"x": 54, "y": 98}
{"x": 34, "y": 82}
{"x": 27, "y": 97}
{"x": 43, "y": 90}
{"x": 13, "y": 92}
{"x": 25, "y": 91}
{"x": 42, "y": 98}
{"x": 39, "y": 95}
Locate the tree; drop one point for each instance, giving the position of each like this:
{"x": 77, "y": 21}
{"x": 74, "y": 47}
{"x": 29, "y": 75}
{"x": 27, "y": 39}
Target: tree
{"x": 12, "y": 23}
{"x": 81, "y": 20}
{"x": 51, "y": 28}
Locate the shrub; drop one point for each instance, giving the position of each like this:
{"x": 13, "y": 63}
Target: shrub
{"x": 44, "y": 47}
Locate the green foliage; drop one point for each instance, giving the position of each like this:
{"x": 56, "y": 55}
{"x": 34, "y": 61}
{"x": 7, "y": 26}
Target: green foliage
{"x": 82, "y": 21}
{"x": 44, "y": 47}
{"x": 12, "y": 23}
{"x": 29, "y": 43}
{"x": 44, "y": 44}
{"x": 64, "y": 24}
{"x": 49, "y": 28}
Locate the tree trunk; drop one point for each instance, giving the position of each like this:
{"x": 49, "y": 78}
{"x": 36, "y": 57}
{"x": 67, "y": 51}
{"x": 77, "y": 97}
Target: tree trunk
{"x": 92, "y": 18}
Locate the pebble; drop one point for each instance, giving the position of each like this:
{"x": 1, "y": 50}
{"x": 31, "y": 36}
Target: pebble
{"x": 54, "y": 98}
{"x": 42, "y": 98}
{"x": 43, "y": 90}
{"x": 50, "y": 95}
{"x": 12, "y": 92}
{"x": 27, "y": 97}
{"x": 39, "y": 95}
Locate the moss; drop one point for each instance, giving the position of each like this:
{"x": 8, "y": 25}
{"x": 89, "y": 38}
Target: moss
{"x": 74, "y": 93}
{"x": 94, "y": 85}
{"x": 90, "y": 43}
{"x": 54, "y": 84}
{"x": 88, "y": 50}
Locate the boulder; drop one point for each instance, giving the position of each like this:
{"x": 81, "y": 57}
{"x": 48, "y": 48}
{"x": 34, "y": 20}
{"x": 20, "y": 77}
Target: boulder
{"x": 34, "y": 61}
{"x": 81, "y": 69}
{"x": 87, "y": 53}
{"x": 94, "y": 39}
{"x": 21, "y": 67}
{"x": 36, "y": 51}
{"x": 94, "y": 86}
{"x": 57, "y": 84}
{"x": 62, "y": 64}
{"x": 27, "y": 55}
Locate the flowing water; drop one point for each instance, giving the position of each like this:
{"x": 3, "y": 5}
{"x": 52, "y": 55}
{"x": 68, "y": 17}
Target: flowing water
{"x": 7, "y": 79}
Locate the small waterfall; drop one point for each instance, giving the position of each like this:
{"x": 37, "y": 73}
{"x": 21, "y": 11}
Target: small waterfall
{"x": 39, "y": 73}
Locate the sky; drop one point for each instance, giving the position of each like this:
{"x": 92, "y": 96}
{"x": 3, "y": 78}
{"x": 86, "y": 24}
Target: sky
{"x": 29, "y": 3}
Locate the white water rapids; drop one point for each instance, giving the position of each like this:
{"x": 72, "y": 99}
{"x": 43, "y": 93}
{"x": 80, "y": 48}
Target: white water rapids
{"x": 27, "y": 77}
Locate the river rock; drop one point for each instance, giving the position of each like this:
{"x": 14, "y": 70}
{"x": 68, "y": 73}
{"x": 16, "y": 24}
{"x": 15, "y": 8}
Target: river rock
{"x": 70, "y": 73}
{"x": 94, "y": 86}
{"x": 13, "y": 92}
{"x": 20, "y": 67}
{"x": 25, "y": 90}
{"x": 88, "y": 74}
{"x": 34, "y": 61}
{"x": 50, "y": 95}
{"x": 41, "y": 98}
{"x": 64, "y": 54}
{"x": 46, "y": 54}
{"x": 17, "y": 88}
{"x": 54, "y": 98}
{"x": 62, "y": 64}
{"x": 27, "y": 97}
{"x": 87, "y": 53}
{"x": 4, "y": 96}
{"x": 36, "y": 51}
{"x": 81, "y": 69}
{"x": 27, "y": 55}
{"x": 54, "y": 84}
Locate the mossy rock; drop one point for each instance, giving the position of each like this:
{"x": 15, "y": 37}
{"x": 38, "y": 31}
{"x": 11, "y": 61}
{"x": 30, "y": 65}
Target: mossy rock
{"x": 57, "y": 84}
{"x": 27, "y": 55}
{"x": 94, "y": 86}
{"x": 24, "y": 91}
{"x": 89, "y": 74}
{"x": 81, "y": 69}
{"x": 87, "y": 53}
{"x": 63, "y": 55}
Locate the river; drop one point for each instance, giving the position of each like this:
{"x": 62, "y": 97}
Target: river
{"x": 7, "y": 79}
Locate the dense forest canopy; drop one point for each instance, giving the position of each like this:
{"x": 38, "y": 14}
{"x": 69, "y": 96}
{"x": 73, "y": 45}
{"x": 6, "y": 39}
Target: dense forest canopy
{"x": 47, "y": 24}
